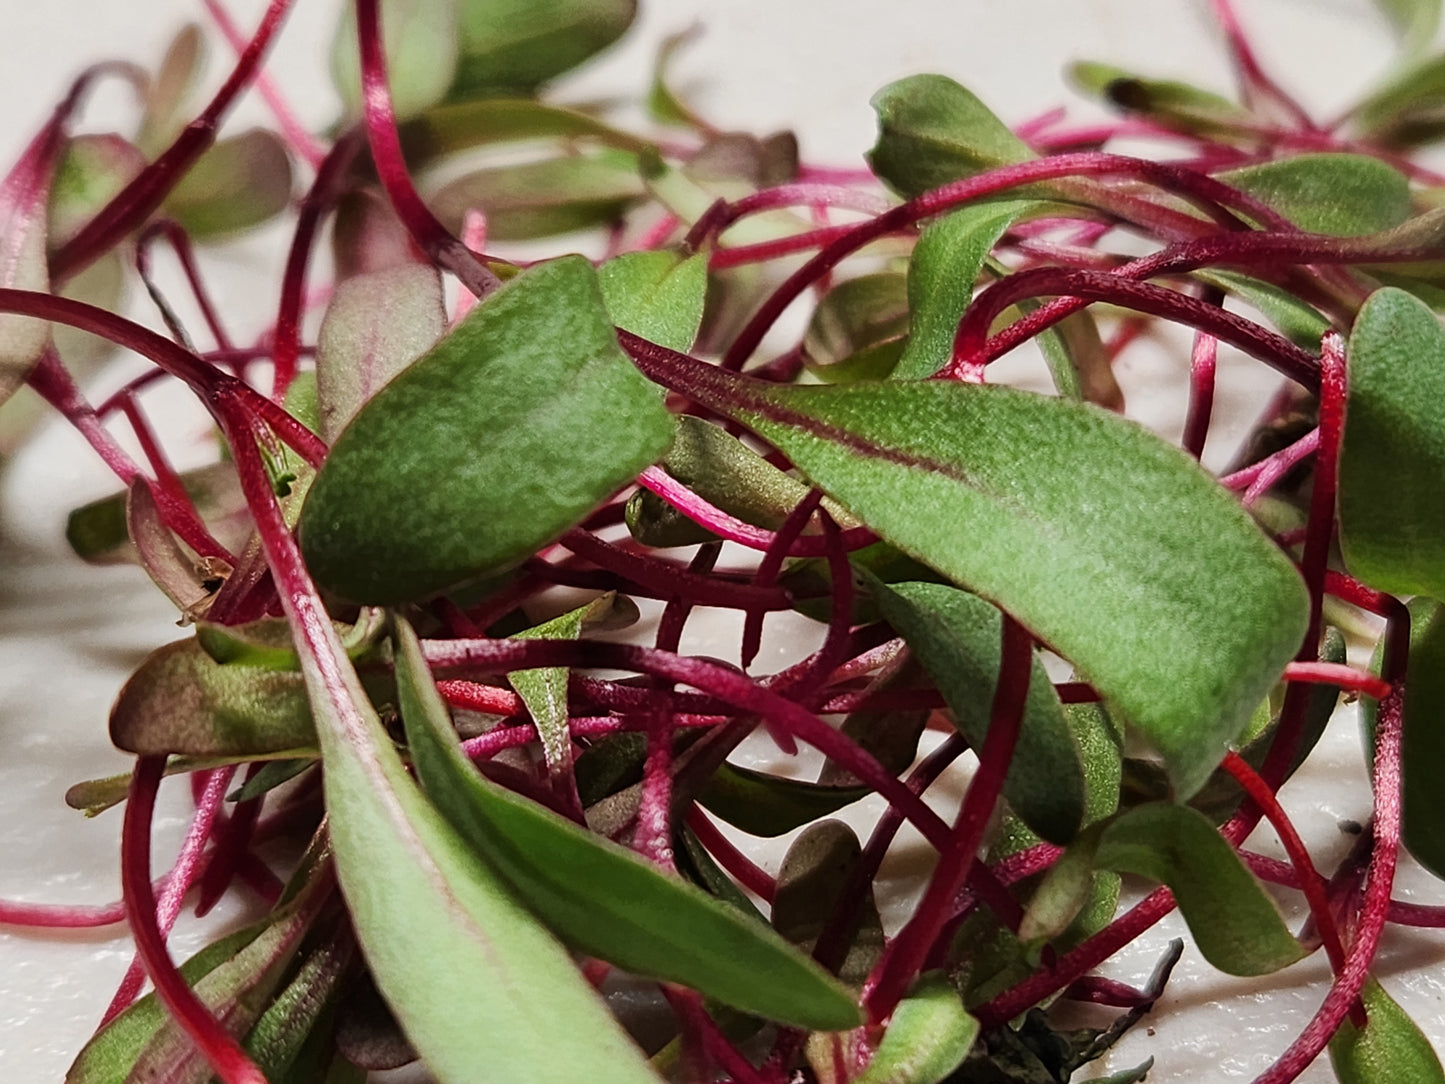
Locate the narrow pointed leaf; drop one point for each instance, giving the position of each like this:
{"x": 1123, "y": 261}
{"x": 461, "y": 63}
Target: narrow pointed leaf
{"x": 1347, "y": 195}
{"x": 1406, "y": 110}
{"x": 956, "y": 637}
{"x": 110, "y": 1054}
{"x": 984, "y": 484}
{"x": 931, "y": 131}
{"x": 658, "y": 295}
{"x": 1234, "y": 922}
{"x": 479, "y": 986}
{"x": 603, "y": 898}
{"x": 508, "y": 432}
{"x": 941, "y": 276}
{"x": 928, "y": 1038}
{"x": 769, "y": 805}
{"x": 375, "y": 326}
{"x": 544, "y": 690}
{"x": 168, "y": 96}
{"x": 1392, "y": 455}
{"x": 463, "y": 125}
{"x": 1389, "y": 1048}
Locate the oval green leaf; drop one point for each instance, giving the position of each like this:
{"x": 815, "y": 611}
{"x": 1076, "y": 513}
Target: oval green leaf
{"x": 1139, "y": 568}
{"x": 931, "y": 131}
{"x": 1347, "y": 195}
{"x": 1392, "y": 454}
{"x": 1389, "y": 1048}
{"x": 505, "y": 434}
{"x": 1234, "y": 922}
{"x": 658, "y": 295}
{"x": 603, "y": 898}
{"x": 519, "y": 44}
{"x": 239, "y": 183}
{"x": 928, "y": 1038}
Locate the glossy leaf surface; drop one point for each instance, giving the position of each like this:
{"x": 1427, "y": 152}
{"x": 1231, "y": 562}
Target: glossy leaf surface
{"x": 931, "y": 131}
{"x": 504, "y": 435}
{"x": 1390, "y": 1047}
{"x": 956, "y": 638}
{"x": 769, "y": 805}
{"x": 1201, "y": 609}
{"x": 602, "y": 898}
{"x": 1392, "y": 456}
{"x": 1234, "y": 922}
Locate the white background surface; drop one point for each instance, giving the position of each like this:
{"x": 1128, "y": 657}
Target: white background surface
{"x": 70, "y": 634}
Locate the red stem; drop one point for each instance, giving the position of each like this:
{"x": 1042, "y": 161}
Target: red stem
{"x": 216, "y": 1044}
{"x": 148, "y": 190}
{"x": 905, "y": 956}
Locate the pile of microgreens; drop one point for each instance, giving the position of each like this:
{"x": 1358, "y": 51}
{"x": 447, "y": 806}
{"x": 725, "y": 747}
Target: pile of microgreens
{"x": 491, "y": 815}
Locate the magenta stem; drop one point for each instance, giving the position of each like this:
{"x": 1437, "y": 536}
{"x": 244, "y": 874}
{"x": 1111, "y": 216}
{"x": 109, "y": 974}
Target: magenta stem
{"x": 904, "y": 958}
{"x": 214, "y": 1042}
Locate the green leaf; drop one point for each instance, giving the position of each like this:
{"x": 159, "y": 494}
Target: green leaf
{"x": 462, "y": 126}
{"x": 95, "y": 168}
{"x": 1414, "y": 21}
{"x": 602, "y": 898}
{"x": 769, "y": 805}
{"x": 544, "y": 690}
{"x": 931, "y": 131}
{"x": 376, "y": 325}
{"x": 112, "y": 1052}
{"x": 1422, "y": 755}
{"x": 520, "y": 44}
{"x": 956, "y": 637}
{"x": 1406, "y": 110}
{"x": 1234, "y": 922}
{"x": 658, "y": 295}
{"x": 181, "y": 700}
{"x": 815, "y": 873}
{"x": 508, "y": 432}
{"x": 1203, "y": 611}
{"x": 543, "y": 198}
{"x": 1347, "y": 195}
{"x": 420, "y": 42}
{"x": 478, "y": 985}
{"x": 928, "y": 1037}
{"x": 1302, "y": 324}
{"x": 1390, "y": 1047}
{"x": 1392, "y": 454}
{"x": 941, "y": 276}
{"x": 237, "y": 184}
{"x": 1175, "y": 104}
{"x": 858, "y": 329}
{"x": 167, "y": 98}
{"x": 24, "y": 200}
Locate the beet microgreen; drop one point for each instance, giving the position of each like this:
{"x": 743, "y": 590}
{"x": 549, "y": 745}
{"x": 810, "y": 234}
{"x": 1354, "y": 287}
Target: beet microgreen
{"x": 511, "y": 803}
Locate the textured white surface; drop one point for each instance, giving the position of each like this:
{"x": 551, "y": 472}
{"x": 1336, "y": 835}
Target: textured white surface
{"x": 70, "y": 634}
